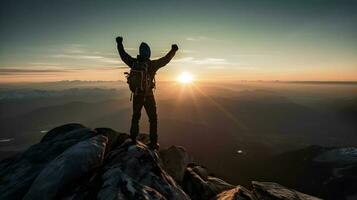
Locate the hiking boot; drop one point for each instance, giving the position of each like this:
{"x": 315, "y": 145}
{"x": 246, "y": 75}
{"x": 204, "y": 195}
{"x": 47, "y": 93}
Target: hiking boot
{"x": 154, "y": 146}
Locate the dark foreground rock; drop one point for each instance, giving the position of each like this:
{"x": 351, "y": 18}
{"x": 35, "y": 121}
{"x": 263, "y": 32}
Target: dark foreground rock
{"x": 272, "y": 191}
{"x": 19, "y": 172}
{"x": 133, "y": 172}
{"x": 237, "y": 193}
{"x": 75, "y": 162}
{"x": 175, "y": 160}
{"x": 200, "y": 184}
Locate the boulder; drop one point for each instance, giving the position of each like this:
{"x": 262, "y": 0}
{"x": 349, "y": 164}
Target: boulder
{"x": 133, "y": 172}
{"x": 61, "y": 130}
{"x": 67, "y": 168}
{"x": 274, "y": 191}
{"x": 73, "y": 162}
{"x": 199, "y": 184}
{"x": 17, "y": 173}
{"x": 174, "y": 160}
{"x": 237, "y": 193}
{"x": 113, "y": 137}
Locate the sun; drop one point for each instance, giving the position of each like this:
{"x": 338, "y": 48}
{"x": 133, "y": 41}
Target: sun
{"x": 185, "y": 78}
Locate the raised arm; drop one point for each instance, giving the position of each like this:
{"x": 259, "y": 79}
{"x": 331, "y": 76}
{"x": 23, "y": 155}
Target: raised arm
{"x": 166, "y": 59}
{"x": 125, "y": 57}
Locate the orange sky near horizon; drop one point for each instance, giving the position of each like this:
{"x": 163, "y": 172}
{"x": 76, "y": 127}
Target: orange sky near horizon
{"x": 117, "y": 74}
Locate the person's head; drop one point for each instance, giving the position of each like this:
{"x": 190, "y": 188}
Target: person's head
{"x": 144, "y": 50}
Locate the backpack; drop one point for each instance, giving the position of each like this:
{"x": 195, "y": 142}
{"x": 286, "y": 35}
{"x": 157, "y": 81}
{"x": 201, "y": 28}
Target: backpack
{"x": 139, "y": 79}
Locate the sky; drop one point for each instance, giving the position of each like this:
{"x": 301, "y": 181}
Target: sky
{"x": 299, "y": 40}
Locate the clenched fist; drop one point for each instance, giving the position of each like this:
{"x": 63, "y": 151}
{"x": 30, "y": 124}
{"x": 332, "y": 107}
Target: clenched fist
{"x": 174, "y": 47}
{"x": 119, "y": 39}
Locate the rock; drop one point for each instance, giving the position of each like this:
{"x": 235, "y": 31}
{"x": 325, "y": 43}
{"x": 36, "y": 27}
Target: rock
{"x": 133, "y": 172}
{"x": 274, "y": 191}
{"x": 60, "y": 130}
{"x": 237, "y": 193}
{"x": 174, "y": 161}
{"x": 18, "y": 173}
{"x": 200, "y": 185}
{"x": 73, "y": 162}
{"x": 113, "y": 137}
{"x": 263, "y": 191}
{"x": 67, "y": 168}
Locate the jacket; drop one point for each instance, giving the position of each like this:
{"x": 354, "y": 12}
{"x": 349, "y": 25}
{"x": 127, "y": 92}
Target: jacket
{"x": 153, "y": 65}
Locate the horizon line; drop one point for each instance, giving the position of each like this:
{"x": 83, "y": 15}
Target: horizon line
{"x": 201, "y": 81}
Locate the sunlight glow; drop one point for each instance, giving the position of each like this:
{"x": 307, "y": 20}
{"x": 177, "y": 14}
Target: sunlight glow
{"x": 185, "y": 78}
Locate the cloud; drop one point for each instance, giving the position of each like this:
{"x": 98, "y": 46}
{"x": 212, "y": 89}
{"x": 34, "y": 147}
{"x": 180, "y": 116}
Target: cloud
{"x": 97, "y": 58}
{"x": 74, "y": 48}
{"x": 44, "y": 64}
{"x": 254, "y": 55}
{"x": 184, "y": 51}
{"x": 191, "y": 39}
{"x": 76, "y": 56}
{"x": 202, "y": 61}
{"x": 216, "y": 67}
{"x": 187, "y": 51}
{"x": 61, "y": 59}
{"x": 77, "y": 51}
{"x": 11, "y": 71}
{"x": 201, "y": 38}
{"x": 37, "y": 71}
{"x": 213, "y": 61}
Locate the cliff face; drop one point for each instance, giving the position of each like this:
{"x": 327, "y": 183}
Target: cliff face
{"x": 75, "y": 162}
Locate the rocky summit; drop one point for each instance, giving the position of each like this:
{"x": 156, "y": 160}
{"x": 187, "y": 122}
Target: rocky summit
{"x": 75, "y": 162}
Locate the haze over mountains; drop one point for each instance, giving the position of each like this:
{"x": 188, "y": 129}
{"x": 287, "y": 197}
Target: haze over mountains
{"x": 227, "y": 127}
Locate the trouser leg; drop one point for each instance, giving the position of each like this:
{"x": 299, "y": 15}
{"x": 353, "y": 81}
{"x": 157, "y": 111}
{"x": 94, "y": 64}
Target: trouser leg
{"x": 138, "y": 102}
{"x": 150, "y": 107}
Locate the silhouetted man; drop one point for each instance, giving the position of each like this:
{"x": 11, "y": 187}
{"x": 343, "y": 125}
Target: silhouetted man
{"x": 145, "y": 97}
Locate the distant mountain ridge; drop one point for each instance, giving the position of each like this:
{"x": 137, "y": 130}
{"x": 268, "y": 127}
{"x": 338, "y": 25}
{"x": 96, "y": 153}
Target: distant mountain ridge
{"x": 38, "y": 93}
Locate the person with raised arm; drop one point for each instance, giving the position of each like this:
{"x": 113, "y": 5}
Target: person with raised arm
{"x": 141, "y": 82}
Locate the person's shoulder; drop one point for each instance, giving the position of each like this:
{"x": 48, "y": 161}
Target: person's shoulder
{"x": 150, "y": 62}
